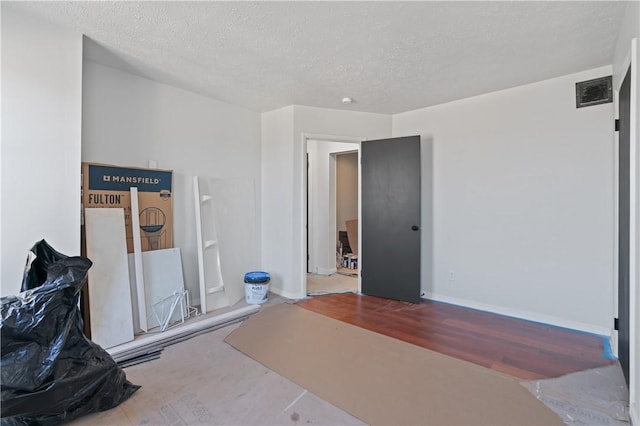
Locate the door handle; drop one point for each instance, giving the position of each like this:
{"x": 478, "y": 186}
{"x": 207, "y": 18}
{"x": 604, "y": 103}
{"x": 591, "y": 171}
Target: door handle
{"x": 415, "y": 228}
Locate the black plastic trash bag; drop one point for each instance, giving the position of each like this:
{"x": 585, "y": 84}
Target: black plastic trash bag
{"x": 51, "y": 373}
{"x": 40, "y": 257}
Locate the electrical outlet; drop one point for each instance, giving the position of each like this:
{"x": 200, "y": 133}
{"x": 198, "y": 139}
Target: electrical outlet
{"x": 452, "y": 275}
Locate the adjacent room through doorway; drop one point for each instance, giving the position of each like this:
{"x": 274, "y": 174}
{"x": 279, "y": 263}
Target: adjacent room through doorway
{"x": 332, "y": 216}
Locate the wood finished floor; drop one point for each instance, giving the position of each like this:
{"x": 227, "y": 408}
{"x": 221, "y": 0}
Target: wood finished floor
{"x": 523, "y": 349}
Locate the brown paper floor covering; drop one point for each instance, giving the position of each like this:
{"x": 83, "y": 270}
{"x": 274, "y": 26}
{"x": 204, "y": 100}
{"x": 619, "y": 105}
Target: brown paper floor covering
{"x": 381, "y": 380}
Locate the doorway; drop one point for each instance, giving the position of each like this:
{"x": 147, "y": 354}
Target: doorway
{"x": 401, "y": 158}
{"x": 329, "y": 160}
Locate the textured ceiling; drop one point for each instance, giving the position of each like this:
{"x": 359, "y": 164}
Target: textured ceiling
{"x": 389, "y": 56}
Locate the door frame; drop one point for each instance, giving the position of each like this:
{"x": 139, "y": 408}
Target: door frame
{"x": 634, "y": 239}
{"x": 300, "y": 256}
{"x": 619, "y": 232}
{"x": 631, "y": 60}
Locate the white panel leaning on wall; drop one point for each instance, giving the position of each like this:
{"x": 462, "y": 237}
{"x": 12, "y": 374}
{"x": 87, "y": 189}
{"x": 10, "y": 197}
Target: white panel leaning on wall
{"x": 109, "y": 287}
{"x": 226, "y": 238}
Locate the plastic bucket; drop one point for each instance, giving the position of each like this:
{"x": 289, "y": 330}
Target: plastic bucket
{"x": 256, "y": 287}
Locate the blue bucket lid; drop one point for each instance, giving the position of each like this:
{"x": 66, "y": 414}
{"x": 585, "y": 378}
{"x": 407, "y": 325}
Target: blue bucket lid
{"x": 256, "y": 277}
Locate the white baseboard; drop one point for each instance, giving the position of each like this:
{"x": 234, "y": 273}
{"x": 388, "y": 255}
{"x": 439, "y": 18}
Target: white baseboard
{"x": 326, "y": 271}
{"x": 530, "y": 316}
{"x": 287, "y": 294}
{"x": 634, "y": 414}
{"x": 613, "y": 338}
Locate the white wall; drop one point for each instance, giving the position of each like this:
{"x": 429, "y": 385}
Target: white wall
{"x": 522, "y": 196}
{"x": 627, "y": 52}
{"x": 346, "y": 189}
{"x": 628, "y": 30}
{"x": 322, "y": 203}
{"x": 284, "y": 179}
{"x": 41, "y": 124}
{"x": 277, "y": 198}
{"x": 129, "y": 120}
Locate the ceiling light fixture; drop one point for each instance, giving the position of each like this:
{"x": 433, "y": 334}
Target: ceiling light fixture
{"x": 347, "y": 100}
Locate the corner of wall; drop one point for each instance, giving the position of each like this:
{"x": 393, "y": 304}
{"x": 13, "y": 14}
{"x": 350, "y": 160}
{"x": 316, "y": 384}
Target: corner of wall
{"x": 48, "y": 57}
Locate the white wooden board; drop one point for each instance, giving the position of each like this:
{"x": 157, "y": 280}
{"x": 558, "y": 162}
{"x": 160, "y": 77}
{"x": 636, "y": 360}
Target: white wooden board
{"x": 137, "y": 278}
{"x": 109, "y": 288}
{"x": 162, "y": 277}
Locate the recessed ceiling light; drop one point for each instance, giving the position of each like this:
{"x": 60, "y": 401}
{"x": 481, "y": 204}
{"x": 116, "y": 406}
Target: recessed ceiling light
{"x": 347, "y": 100}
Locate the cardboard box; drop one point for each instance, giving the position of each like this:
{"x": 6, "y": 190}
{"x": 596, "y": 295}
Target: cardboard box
{"x": 105, "y": 185}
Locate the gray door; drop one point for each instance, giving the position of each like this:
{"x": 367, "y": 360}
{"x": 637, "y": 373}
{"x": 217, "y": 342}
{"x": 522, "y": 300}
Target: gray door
{"x": 391, "y": 218}
{"x": 623, "y": 223}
